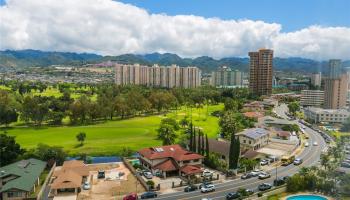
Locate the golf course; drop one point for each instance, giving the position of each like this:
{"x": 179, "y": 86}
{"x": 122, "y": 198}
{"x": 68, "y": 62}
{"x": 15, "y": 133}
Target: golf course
{"x": 108, "y": 138}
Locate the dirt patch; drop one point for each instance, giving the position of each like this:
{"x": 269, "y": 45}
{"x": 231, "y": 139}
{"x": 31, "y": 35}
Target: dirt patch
{"x": 96, "y": 167}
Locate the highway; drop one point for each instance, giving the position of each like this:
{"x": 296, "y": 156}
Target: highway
{"x": 310, "y": 155}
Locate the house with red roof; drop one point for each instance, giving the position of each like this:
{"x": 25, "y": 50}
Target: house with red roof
{"x": 171, "y": 160}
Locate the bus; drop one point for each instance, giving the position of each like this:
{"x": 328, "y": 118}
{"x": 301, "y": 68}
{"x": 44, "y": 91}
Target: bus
{"x": 287, "y": 160}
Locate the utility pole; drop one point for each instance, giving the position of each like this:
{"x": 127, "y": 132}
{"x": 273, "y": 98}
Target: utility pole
{"x": 276, "y": 172}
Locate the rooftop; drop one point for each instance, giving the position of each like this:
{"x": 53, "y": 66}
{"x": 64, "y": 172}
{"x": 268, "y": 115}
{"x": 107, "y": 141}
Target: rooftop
{"x": 27, "y": 172}
{"x": 254, "y": 133}
{"x": 327, "y": 111}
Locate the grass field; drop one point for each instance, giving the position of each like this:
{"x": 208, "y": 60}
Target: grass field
{"x": 110, "y": 137}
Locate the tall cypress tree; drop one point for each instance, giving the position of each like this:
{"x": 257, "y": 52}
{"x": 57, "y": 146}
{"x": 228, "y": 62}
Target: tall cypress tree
{"x": 199, "y": 142}
{"x": 206, "y": 145}
{"x": 194, "y": 140}
{"x": 203, "y": 145}
{"x": 234, "y": 152}
{"x": 190, "y": 129}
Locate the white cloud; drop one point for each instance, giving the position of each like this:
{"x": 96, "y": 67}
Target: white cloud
{"x": 112, "y": 28}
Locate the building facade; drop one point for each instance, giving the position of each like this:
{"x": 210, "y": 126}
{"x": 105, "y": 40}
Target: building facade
{"x": 318, "y": 115}
{"x": 316, "y": 79}
{"x": 336, "y": 86}
{"x": 254, "y": 138}
{"x": 157, "y": 76}
{"x": 224, "y": 77}
{"x": 314, "y": 98}
{"x": 261, "y": 70}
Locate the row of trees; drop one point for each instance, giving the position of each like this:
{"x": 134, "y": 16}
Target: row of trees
{"x": 111, "y": 101}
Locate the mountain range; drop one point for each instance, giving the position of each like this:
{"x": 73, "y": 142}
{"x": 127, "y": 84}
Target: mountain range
{"x": 36, "y": 58}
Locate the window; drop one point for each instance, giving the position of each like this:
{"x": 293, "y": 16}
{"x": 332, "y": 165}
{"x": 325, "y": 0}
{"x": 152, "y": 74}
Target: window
{"x": 186, "y": 161}
{"x": 14, "y": 194}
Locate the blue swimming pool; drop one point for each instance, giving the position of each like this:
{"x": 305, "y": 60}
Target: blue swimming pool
{"x": 306, "y": 197}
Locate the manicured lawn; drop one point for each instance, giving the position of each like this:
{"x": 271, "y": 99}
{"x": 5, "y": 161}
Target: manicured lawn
{"x": 110, "y": 137}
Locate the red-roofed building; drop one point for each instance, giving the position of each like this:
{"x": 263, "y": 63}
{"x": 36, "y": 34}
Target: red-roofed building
{"x": 254, "y": 115}
{"x": 171, "y": 160}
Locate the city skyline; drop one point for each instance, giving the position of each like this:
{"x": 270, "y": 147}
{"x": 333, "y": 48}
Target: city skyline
{"x": 112, "y": 28}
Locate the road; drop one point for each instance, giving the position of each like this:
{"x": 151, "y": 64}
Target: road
{"x": 310, "y": 155}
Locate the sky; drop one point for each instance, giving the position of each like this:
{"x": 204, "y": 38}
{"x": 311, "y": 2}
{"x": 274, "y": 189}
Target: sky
{"x": 316, "y": 29}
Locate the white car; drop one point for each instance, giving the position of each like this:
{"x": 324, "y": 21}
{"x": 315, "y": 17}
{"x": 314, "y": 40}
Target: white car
{"x": 306, "y": 144}
{"x": 315, "y": 143}
{"x": 207, "y": 173}
{"x": 208, "y": 188}
{"x": 148, "y": 175}
{"x": 256, "y": 172}
{"x": 86, "y": 186}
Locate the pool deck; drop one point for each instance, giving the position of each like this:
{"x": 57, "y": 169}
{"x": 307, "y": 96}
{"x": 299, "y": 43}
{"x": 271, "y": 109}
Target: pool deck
{"x": 306, "y": 193}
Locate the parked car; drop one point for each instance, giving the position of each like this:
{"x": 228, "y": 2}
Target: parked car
{"x": 86, "y": 186}
{"x": 264, "y": 162}
{"x": 264, "y": 186}
{"x": 233, "y": 195}
{"x": 256, "y": 172}
{"x": 264, "y": 175}
{"x": 149, "y": 195}
{"x": 148, "y": 175}
{"x": 101, "y": 174}
{"x": 298, "y": 161}
{"x": 207, "y": 173}
{"x": 279, "y": 181}
{"x": 345, "y": 164}
{"x": 315, "y": 143}
{"x": 285, "y": 178}
{"x": 132, "y": 196}
{"x": 247, "y": 176}
{"x": 190, "y": 188}
{"x": 306, "y": 144}
{"x": 208, "y": 188}
{"x": 249, "y": 192}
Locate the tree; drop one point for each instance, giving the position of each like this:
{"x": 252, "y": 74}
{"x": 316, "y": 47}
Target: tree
{"x": 294, "y": 107}
{"x": 81, "y": 137}
{"x": 206, "y": 145}
{"x": 172, "y": 122}
{"x": 8, "y": 108}
{"x": 234, "y": 152}
{"x": 184, "y": 122}
{"x": 190, "y": 130}
{"x": 121, "y": 107}
{"x": 167, "y": 134}
{"x": 199, "y": 145}
{"x": 35, "y": 109}
{"x": 230, "y": 123}
{"x": 49, "y": 153}
{"x": 9, "y": 149}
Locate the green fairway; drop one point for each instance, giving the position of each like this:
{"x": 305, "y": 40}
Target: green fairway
{"x": 110, "y": 137}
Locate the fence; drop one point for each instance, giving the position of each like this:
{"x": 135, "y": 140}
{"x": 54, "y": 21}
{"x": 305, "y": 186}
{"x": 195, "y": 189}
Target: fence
{"x": 43, "y": 187}
{"x": 133, "y": 171}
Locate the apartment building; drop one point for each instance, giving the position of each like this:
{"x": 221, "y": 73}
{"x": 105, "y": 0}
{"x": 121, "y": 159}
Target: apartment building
{"x": 260, "y": 79}
{"x": 318, "y": 115}
{"x": 336, "y": 86}
{"x": 314, "y": 98}
{"x": 316, "y": 79}
{"x": 157, "y": 76}
{"x": 224, "y": 77}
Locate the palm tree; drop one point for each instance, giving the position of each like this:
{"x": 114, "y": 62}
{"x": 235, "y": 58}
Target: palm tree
{"x": 325, "y": 160}
{"x": 167, "y": 134}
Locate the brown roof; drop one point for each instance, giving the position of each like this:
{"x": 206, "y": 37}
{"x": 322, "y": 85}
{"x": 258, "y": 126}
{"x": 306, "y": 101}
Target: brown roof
{"x": 191, "y": 169}
{"x": 250, "y": 154}
{"x": 171, "y": 151}
{"x": 67, "y": 179}
{"x": 166, "y": 166}
{"x": 70, "y": 175}
{"x": 283, "y": 134}
{"x": 220, "y": 147}
{"x": 253, "y": 114}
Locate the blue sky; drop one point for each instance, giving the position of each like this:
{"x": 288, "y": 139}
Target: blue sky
{"x": 292, "y": 14}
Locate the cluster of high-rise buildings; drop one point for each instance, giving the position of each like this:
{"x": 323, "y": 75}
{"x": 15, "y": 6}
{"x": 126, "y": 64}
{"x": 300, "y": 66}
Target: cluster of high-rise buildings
{"x": 157, "y": 76}
{"x": 225, "y": 77}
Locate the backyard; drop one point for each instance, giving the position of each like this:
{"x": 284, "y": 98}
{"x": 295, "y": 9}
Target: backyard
{"x": 110, "y": 137}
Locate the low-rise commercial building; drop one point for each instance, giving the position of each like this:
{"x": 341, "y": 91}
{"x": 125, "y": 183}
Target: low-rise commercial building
{"x": 318, "y": 115}
{"x": 254, "y": 138}
{"x": 314, "y": 98}
{"x": 20, "y": 179}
